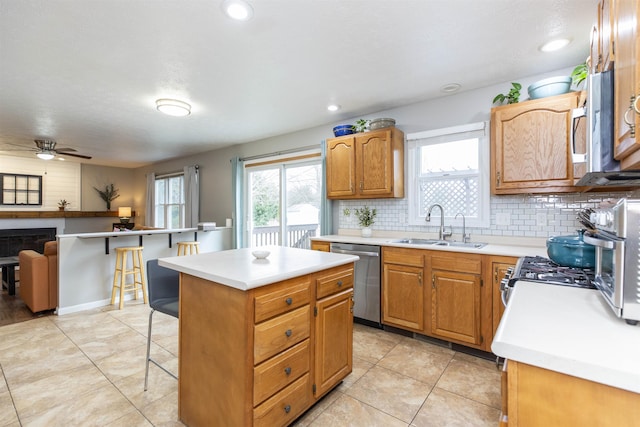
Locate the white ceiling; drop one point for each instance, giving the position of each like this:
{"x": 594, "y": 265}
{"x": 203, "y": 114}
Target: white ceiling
{"x": 87, "y": 72}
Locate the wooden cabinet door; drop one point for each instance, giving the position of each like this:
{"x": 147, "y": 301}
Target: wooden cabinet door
{"x": 334, "y": 338}
{"x": 627, "y": 82}
{"x": 403, "y": 296}
{"x": 605, "y": 33}
{"x": 374, "y": 164}
{"x": 531, "y": 146}
{"x": 455, "y": 306}
{"x": 341, "y": 163}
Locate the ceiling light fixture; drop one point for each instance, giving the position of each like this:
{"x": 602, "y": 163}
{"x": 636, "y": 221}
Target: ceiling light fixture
{"x": 450, "y": 88}
{"x": 333, "y": 107}
{"x": 173, "y": 107}
{"x": 237, "y": 9}
{"x": 45, "y": 155}
{"x": 554, "y": 45}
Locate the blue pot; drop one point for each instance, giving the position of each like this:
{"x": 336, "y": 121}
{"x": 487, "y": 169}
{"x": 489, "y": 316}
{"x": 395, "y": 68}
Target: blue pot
{"x": 341, "y": 130}
{"x": 571, "y": 251}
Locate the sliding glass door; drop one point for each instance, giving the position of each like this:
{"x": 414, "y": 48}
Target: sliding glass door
{"x": 284, "y": 203}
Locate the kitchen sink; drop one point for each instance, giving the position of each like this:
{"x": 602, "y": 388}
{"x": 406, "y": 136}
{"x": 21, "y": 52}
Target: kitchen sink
{"x": 434, "y": 242}
{"x": 416, "y": 241}
{"x": 475, "y": 245}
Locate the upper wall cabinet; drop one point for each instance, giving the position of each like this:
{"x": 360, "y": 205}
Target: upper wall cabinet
{"x": 532, "y": 144}
{"x": 367, "y": 165}
{"x": 626, "y": 19}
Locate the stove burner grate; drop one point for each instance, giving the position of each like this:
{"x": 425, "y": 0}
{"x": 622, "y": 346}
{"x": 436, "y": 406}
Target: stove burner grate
{"x": 540, "y": 269}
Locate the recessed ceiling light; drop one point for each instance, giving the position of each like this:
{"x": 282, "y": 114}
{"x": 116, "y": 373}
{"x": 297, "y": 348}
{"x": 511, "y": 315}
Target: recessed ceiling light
{"x": 554, "y": 45}
{"x": 237, "y": 9}
{"x": 333, "y": 107}
{"x": 173, "y": 107}
{"x": 449, "y": 88}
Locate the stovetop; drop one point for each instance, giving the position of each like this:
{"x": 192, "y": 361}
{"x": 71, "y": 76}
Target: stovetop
{"x": 540, "y": 269}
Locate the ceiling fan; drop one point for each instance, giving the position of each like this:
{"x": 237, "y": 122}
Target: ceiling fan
{"x": 46, "y": 150}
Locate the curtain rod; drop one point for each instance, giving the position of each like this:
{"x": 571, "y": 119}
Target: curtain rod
{"x": 174, "y": 173}
{"x": 280, "y": 153}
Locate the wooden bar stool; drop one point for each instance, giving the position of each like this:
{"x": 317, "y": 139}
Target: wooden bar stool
{"x": 188, "y": 248}
{"x": 121, "y": 273}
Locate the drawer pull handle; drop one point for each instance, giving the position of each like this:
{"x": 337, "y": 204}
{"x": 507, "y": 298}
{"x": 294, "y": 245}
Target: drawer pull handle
{"x": 287, "y": 408}
{"x": 339, "y": 283}
{"x": 289, "y": 301}
{"x": 287, "y": 370}
{"x": 288, "y": 332}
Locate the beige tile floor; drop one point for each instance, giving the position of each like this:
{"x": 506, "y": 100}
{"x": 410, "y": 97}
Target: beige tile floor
{"x": 87, "y": 369}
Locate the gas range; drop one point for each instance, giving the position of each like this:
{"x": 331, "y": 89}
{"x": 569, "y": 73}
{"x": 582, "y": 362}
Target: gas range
{"x": 543, "y": 270}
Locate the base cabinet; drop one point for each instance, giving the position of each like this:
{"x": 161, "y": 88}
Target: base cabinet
{"x": 538, "y": 397}
{"x": 403, "y": 292}
{"x": 437, "y": 293}
{"x": 264, "y": 356}
{"x": 456, "y": 294}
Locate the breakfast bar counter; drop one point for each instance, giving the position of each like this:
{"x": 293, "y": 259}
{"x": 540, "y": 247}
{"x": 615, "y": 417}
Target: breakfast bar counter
{"x": 261, "y": 340}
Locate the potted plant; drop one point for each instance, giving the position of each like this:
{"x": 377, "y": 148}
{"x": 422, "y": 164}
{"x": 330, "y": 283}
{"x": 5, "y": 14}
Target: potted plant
{"x": 366, "y": 218}
{"x": 512, "y": 97}
{"x": 110, "y": 193}
{"x": 579, "y": 74}
{"x": 62, "y": 204}
{"x": 362, "y": 125}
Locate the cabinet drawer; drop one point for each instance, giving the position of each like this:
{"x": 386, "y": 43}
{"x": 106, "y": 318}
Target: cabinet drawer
{"x": 291, "y": 294}
{"x": 412, "y": 257}
{"x": 468, "y": 264}
{"x": 285, "y": 406}
{"x": 280, "y": 371}
{"x": 337, "y": 280}
{"x": 279, "y": 333}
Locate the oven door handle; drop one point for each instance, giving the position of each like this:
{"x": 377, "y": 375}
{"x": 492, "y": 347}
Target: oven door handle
{"x": 606, "y": 244}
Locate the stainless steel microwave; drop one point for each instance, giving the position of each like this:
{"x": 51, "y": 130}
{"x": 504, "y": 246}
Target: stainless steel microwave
{"x": 602, "y": 168}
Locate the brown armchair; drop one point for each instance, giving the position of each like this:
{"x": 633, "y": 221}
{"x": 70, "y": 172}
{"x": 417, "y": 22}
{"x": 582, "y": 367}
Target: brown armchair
{"x": 39, "y": 277}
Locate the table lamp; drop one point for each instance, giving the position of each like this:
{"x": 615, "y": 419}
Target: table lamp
{"x": 124, "y": 213}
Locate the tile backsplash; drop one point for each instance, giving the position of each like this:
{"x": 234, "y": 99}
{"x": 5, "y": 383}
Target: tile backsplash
{"x": 527, "y": 215}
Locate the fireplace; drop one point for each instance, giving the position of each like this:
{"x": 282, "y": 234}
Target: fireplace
{"x": 14, "y": 240}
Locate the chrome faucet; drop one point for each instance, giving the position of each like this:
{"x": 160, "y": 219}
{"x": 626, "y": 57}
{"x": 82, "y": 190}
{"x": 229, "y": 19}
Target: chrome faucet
{"x": 443, "y": 234}
{"x": 465, "y": 237}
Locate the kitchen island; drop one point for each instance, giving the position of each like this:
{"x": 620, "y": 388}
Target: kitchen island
{"x": 261, "y": 340}
{"x": 570, "y": 361}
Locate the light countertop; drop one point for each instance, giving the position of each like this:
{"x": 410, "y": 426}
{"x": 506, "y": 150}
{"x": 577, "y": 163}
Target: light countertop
{"x": 241, "y": 270}
{"x": 514, "y": 247}
{"x": 569, "y": 330}
{"x": 136, "y": 232}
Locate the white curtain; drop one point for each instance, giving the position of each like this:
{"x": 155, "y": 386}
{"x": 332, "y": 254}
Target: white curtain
{"x": 150, "y": 206}
{"x": 191, "y": 197}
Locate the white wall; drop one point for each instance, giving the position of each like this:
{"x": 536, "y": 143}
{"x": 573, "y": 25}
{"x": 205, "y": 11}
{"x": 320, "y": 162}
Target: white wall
{"x": 449, "y": 110}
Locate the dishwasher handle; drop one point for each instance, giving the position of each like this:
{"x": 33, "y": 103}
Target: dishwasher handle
{"x": 344, "y": 251}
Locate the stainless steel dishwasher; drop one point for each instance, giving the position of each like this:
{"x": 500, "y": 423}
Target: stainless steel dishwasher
{"x": 366, "y": 281}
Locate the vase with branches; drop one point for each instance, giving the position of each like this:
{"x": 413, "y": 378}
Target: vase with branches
{"x": 108, "y": 194}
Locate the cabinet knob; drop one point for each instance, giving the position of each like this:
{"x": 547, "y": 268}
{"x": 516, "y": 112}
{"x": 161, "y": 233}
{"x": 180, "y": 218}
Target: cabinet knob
{"x": 288, "y": 332}
{"x": 287, "y": 408}
{"x": 287, "y": 370}
{"x": 289, "y": 301}
{"x": 339, "y": 283}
